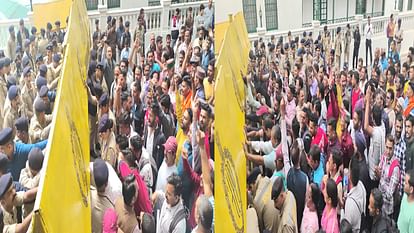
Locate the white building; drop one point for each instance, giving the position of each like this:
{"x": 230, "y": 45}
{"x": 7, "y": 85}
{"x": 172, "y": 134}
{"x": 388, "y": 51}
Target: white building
{"x": 158, "y": 14}
{"x": 267, "y": 18}
{"x": 274, "y": 15}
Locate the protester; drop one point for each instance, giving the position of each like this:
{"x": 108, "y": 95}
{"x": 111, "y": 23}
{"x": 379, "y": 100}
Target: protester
{"x": 141, "y": 100}
{"x": 352, "y": 128}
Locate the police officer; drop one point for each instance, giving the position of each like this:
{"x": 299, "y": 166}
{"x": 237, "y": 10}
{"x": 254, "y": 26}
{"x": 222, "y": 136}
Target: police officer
{"x": 54, "y": 71}
{"x": 27, "y": 55}
{"x": 15, "y": 109}
{"x": 10, "y": 199}
{"x": 42, "y": 42}
{"x": 48, "y": 97}
{"x": 58, "y": 33}
{"x": 40, "y": 123}
{"x": 49, "y": 54}
{"x": 338, "y": 48}
{"x": 3, "y": 90}
{"x": 22, "y": 130}
{"x": 107, "y": 140}
{"x": 16, "y": 152}
{"x": 49, "y": 34}
{"x": 28, "y": 91}
{"x": 99, "y": 72}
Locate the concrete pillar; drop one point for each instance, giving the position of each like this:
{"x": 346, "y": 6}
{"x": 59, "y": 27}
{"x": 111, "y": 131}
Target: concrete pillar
{"x": 261, "y": 32}
{"x": 30, "y": 17}
{"x": 103, "y": 12}
{"x": 261, "y": 18}
{"x": 166, "y": 5}
{"x": 316, "y": 24}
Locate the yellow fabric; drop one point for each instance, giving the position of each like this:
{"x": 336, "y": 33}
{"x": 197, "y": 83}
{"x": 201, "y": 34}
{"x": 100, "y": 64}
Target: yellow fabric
{"x": 406, "y": 87}
{"x": 180, "y": 137}
{"x": 340, "y": 106}
{"x": 63, "y": 201}
{"x": 393, "y": 88}
{"x": 208, "y": 88}
{"x": 230, "y": 164}
{"x": 51, "y": 11}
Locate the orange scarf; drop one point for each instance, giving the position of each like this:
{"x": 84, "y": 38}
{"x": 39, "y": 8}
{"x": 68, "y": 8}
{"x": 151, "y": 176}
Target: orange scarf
{"x": 410, "y": 107}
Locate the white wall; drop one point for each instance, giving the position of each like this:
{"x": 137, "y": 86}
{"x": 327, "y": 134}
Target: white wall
{"x": 388, "y": 7}
{"x": 340, "y": 9}
{"x": 225, "y": 7}
{"x": 128, "y": 4}
{"x": 352, "y": 7}
{"x": 307, "y": 9}
{"x": 290, "y": 14}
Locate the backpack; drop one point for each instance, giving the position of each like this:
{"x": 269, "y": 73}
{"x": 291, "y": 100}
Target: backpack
{"x": 364, "y": 226}
{"x": 154, "y": 169}
{"x": 180, "y": 215}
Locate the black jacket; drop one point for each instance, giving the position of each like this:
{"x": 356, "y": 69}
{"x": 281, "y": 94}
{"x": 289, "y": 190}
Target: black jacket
{"x": 19, "y": 36}
{"x": 157, "y": 145}
{"x": 357, "y": 39}
{"x": 379, "y": 225}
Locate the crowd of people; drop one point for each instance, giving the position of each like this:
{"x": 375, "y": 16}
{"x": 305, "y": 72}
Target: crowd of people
{"x": 151, "y": 119}
{"x": 330, "y": 148}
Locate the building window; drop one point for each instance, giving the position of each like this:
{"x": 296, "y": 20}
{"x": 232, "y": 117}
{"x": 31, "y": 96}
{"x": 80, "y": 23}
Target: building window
{"x": 271, "y": 14}
{"x": 91, "y": 4}
{"x": 361, "y": 7}
{"x": 155, "y": 2}
{"x": 320, "y": 10}
{"x": 250, "y": 15}
{"x": 114, "y": 3}
{"x": 410, "y": 5}
{"x": 400, "y": 5}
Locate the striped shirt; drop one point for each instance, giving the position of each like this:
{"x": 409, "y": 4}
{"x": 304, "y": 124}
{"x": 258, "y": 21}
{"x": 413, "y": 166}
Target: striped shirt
{"x": 399, "y": 152}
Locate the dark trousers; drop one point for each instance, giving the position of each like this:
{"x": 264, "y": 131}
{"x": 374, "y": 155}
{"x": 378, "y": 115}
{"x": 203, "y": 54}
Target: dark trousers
{"x": 390, "y": 39}
{"x": 368, "y": 45}
{"x": 355, "y": 57}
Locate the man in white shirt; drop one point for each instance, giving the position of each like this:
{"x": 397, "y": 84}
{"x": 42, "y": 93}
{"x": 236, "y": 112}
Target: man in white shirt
{"x": 368, "y": 40}
{"x": 168, "y": 165}
{"x": 171, "y": 216}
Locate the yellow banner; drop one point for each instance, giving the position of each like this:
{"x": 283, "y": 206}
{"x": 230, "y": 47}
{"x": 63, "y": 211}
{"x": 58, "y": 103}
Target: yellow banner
{"x": 230, "y": 175}
{"x": 63, "y": 201}
{"x": 49, "y": 12}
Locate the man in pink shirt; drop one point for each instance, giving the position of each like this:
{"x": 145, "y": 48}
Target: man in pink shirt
{"x": 356, "y": 92}
{"x": 318, "y": 135}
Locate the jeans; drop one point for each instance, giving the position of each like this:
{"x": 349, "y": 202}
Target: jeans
{"x": 368, "y": 45}
{"x": 355, "y": 56}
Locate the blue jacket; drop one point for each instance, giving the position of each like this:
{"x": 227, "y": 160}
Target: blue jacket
{"x": 21, "y": 152}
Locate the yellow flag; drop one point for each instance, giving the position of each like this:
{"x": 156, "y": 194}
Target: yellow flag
{"x": 63, "y": 201}
{"x": 230, "y": 164}
{"x": 339, "y": 99}
{"x": 50, "y": 11}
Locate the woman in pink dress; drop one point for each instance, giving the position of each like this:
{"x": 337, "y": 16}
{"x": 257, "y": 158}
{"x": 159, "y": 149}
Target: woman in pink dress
{"x": 329, "y": 219}
{"x": 310, "y": 221}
